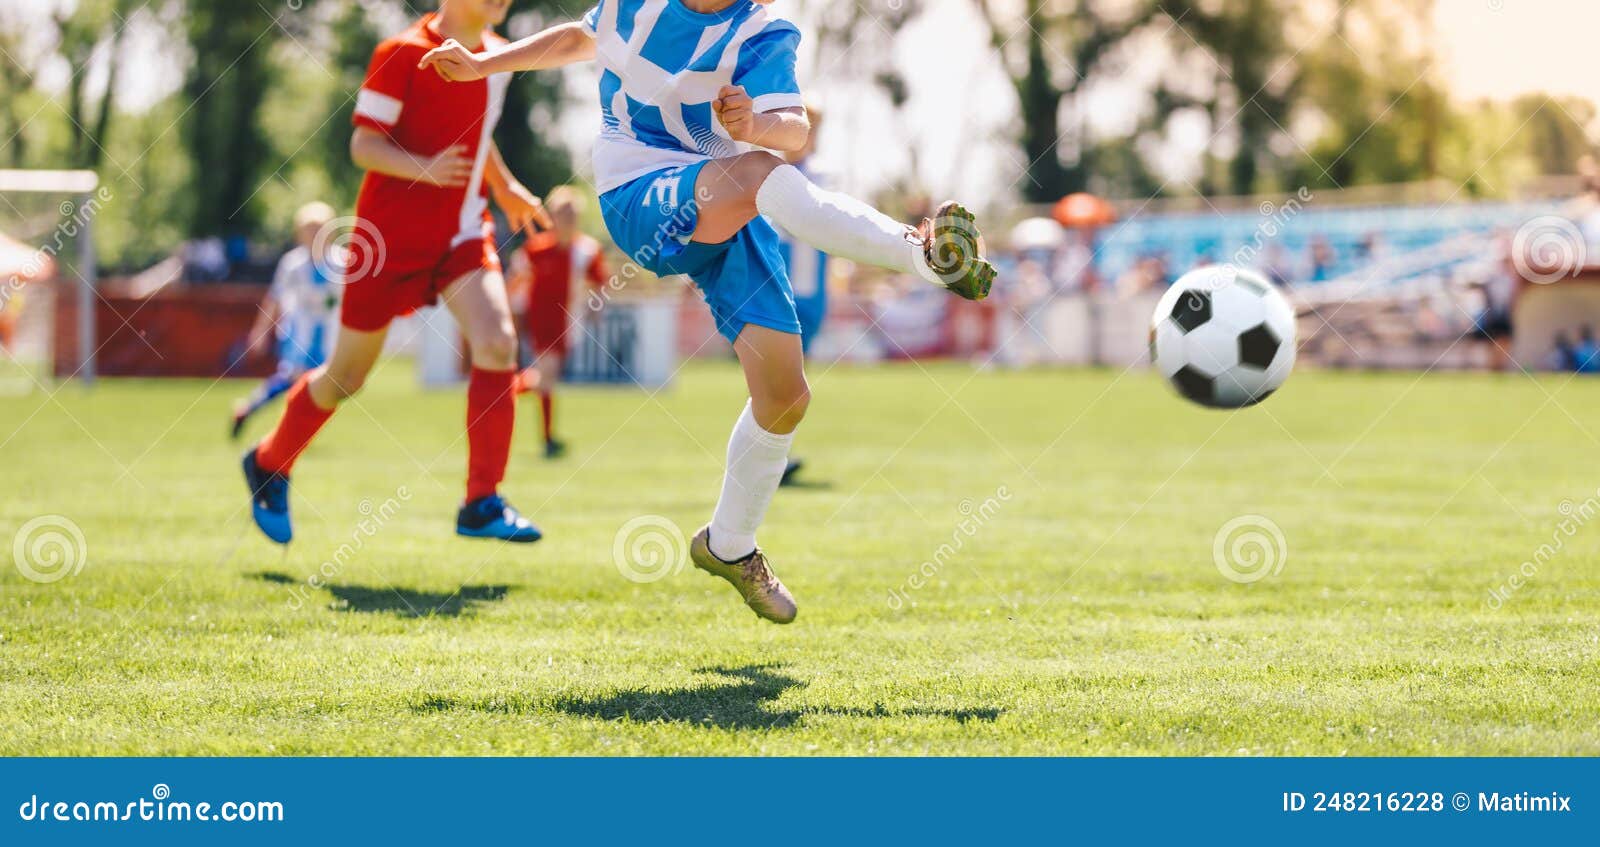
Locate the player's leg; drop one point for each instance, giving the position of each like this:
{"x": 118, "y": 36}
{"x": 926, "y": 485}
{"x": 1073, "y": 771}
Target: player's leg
{"x": 269, "y": 389}
{"x": 310, "y": 403}
{"x": 946, "y": 251}
{"x": 758, "y": 451}
{"x": 549, "y": 365}
{"x": 478, "y": 302}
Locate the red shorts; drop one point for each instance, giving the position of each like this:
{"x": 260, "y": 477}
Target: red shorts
{"x": 383, "y": 288}
{"x": 549, "y": 329}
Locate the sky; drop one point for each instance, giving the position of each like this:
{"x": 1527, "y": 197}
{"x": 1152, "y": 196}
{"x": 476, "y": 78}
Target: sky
{"x": 1502, "y": 48}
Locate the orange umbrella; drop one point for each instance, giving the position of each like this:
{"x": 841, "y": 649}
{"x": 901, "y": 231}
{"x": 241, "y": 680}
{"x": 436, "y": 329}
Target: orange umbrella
{"x": 1081, "y": 210}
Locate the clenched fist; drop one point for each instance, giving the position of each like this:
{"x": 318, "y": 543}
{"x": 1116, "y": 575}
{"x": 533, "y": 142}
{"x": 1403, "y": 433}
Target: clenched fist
{"x": 736, "y": 112}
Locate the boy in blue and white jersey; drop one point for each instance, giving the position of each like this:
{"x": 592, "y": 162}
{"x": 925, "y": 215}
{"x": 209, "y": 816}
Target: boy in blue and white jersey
{"x": 300, "y": 312}
{"x": 695, "y": 95}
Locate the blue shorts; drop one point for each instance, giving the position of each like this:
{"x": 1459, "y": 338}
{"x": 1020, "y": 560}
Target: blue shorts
{"x": 744, "y": 279}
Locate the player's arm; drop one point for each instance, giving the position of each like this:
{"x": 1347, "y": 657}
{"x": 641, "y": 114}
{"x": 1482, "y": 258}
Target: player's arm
{"x": 519, "y": 282}
{"x": 523, "y": 209}
{"x": 372, "y": 150}
{"x": 266, "y": 317}
{"x": 588, "y": 297}
{"x": 555, "y": 47}
{"x": 785, "y": 129}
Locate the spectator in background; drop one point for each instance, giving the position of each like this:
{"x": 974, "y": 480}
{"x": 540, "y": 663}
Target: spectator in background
{"x": 1073, "y": 268}
{"x": 1586, "y": 353}
{"x": 1493, "y": 323}
{"x": 1564, "y": 356}
{"x": 205, "y": 260}
{"x": 1275, "y": 265}
{"x": 1370, "y": 248}
{"x": 1322, "y": 259}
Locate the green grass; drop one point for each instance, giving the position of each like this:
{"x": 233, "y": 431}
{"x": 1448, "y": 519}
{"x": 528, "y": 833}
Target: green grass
{"x": 1083, "y": 614}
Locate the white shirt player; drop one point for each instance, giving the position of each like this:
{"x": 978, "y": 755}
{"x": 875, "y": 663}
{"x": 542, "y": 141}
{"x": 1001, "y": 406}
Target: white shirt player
{"x": 307, "y": 295}
{"x": 662, "y": 64}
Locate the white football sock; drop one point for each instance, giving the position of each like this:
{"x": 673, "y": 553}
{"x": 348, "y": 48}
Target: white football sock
{"x": 756, "y": 459}
{"x": 839, "y": 224}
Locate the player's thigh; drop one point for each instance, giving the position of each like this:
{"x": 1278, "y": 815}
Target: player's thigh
{"x": 479, "y": 303}
{"x": 725, "y": 192}
{"x": 774, "y": 371}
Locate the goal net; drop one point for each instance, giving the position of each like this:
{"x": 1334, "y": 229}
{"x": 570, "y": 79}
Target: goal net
{"x": 47, "y": 276}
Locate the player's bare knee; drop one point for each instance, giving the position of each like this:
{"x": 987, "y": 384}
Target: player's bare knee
{"x": 751, "y": 169}
{"x": 496, "y": 350}
{"x": 786, "y": 407}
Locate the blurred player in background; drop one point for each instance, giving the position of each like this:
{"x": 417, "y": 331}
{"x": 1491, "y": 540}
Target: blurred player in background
{"x": 556, "y": 268}
{"x": 298, "y": 312}
{"x": 808, "y": 268}
{"x": 688, "y": 84}
{"x": 422, "y": 235}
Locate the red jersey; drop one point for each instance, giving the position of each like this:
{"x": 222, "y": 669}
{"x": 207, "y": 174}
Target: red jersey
{"x": 558, "y": 271}
{"x": 424, "y": 114}
{"x": 558, "y": 274}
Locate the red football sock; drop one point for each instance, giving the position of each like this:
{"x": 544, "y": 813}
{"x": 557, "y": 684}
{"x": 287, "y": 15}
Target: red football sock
{"x": 491, "y": 417}
{"x": 301, "y": 420}
{"x": 546, "y": 407}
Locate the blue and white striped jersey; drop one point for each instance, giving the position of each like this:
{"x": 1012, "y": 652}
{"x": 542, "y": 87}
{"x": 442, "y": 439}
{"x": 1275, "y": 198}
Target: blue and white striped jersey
{"x": 661, "y": 66}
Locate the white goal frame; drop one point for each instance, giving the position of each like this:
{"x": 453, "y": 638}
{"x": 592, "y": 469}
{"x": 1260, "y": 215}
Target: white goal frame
{"x": 81, "y": 187}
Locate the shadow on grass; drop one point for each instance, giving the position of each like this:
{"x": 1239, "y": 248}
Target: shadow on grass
{"x": 405, "y": 602}
{"x": 742, "y": 702}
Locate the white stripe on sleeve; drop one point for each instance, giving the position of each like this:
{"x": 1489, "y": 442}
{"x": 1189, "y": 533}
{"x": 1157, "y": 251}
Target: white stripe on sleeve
{"x": 378, "y": 107}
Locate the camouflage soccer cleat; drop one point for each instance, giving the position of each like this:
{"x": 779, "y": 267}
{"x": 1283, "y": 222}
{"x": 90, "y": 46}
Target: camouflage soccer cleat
{"x": 754, "y": 579}
{"x": 954, "y": 249}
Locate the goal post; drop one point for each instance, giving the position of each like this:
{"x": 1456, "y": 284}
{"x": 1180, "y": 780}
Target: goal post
{"x": 51, "y": 213}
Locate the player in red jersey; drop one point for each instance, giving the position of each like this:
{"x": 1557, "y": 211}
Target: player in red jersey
{"x": 557, "y": 269}
{"x": 422, "y": 234}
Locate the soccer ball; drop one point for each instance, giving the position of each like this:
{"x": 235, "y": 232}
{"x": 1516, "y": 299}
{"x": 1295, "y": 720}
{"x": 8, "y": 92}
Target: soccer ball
{"x": 1223, "y": 337}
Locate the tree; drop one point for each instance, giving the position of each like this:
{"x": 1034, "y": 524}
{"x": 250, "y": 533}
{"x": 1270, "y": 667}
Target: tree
{"x": 227, "y": 81}
{"x": 354, "y": 38}
{"x": 1060, "y": 50}
{"x": 1255, "y": 80}
{"x": 92, "y": 27}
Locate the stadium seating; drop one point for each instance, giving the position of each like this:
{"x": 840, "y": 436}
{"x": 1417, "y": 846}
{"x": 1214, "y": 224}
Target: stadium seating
{"x": 1184, "y": 240}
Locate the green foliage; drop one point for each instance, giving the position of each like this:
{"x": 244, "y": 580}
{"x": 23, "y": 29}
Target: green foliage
{"x": 230, "y": 75}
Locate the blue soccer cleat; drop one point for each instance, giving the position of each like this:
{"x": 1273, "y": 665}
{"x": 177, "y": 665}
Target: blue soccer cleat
{"x": 269, "y": 499}
{"x": 493, "y": 517}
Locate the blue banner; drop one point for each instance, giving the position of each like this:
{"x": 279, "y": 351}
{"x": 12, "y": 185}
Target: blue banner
{"x": 712, "y": 801}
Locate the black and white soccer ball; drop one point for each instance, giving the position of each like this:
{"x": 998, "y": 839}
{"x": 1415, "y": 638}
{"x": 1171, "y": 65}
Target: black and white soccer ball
{"x": 1224, "y": 337}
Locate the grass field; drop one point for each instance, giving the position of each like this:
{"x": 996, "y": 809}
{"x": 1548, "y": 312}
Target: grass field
{"x": 1077, "y": 608}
